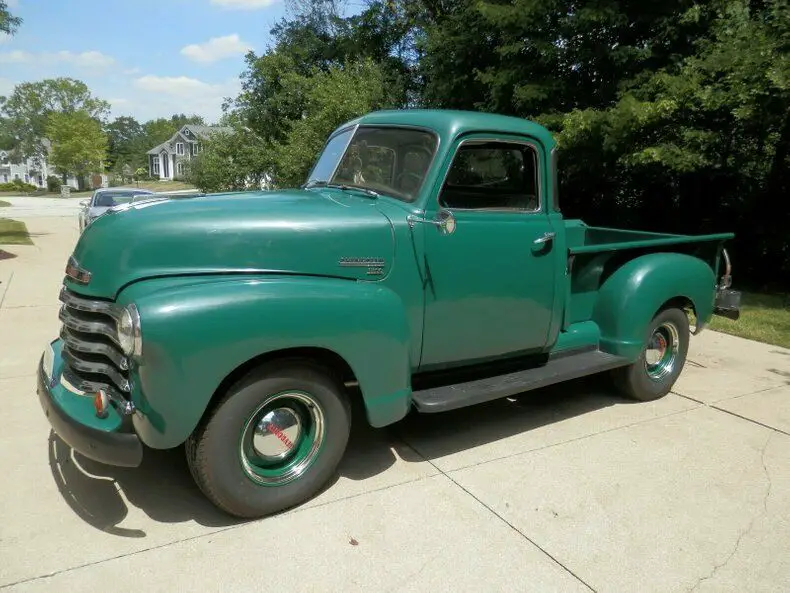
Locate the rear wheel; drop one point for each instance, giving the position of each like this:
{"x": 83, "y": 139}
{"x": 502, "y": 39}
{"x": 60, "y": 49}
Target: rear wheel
{"x": 661, "y": 361}
{"x": 273, "y": 441}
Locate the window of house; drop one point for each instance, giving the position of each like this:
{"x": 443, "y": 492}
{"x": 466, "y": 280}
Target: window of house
{"x": 194, "y": 148}
{"x": 492, "y": 175}
{"x": 179, "y": 148}
{"x": 156, "y": 165}
{"x": 180, "y": 168}
{"x": 5, "y": 178}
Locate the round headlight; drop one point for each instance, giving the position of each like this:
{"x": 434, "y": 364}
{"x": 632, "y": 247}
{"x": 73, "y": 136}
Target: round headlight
{"x": 128, "y": 327}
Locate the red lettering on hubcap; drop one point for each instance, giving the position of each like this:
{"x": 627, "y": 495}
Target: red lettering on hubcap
{"x": 278, "y": 432}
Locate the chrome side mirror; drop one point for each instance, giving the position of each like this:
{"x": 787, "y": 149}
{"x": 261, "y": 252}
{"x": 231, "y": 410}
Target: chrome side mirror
{"x": 444, "y": 221}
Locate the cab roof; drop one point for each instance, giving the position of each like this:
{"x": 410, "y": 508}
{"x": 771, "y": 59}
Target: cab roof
{"x": 449, "y": 123}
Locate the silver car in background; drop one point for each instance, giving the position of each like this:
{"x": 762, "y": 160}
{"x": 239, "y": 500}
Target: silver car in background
{"x": 105, "y": 198}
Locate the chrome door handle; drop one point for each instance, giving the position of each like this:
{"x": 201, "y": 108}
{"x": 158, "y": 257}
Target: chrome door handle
{"x": 544, "y": 239}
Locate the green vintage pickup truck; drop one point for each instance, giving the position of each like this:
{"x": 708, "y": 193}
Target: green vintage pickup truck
{"x": 424, "y": 265}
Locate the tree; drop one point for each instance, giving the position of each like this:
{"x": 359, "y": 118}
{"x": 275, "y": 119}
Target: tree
{"x": 79, "y": 146}
{"x": 8, "y": 22}
{"x": 30, "y": 105}
{"x": 126, "y": 143}
{"x": 158, "y": 130}
{"x": 231, "y": 161}
{"x": 327, "y": 104}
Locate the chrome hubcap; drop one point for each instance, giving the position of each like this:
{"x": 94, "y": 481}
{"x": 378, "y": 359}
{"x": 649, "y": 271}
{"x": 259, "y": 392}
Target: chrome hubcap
{"x": 662, "y": 350}
{"x": 276, "y": 434}
{"x": 282, "y": 438}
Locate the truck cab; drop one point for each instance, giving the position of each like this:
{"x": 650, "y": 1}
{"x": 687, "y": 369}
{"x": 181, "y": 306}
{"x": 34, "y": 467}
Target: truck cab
{"x": 424, "y": 265}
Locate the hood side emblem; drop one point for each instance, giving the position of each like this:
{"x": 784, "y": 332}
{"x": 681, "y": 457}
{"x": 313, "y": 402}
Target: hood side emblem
{"x": 375, "y": 265}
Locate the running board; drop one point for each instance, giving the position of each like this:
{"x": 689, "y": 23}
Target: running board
{"x": 556, "y": 370}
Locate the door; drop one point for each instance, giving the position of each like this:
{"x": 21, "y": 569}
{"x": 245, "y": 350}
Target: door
{"x": 490, "y": 284}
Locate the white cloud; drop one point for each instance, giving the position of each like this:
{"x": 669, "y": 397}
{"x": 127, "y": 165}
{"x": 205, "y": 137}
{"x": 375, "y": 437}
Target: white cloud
{"x": 12, "y": 3}
{"x": 4, "y": 37}
{"x": 180, "y": 86}
{"x": 244, "y": 4}
{"x": 90, "y": 60}
{"x": 132, "y": 71}
{"x": 216, "y": 48}
{"x": 161, "y": 96}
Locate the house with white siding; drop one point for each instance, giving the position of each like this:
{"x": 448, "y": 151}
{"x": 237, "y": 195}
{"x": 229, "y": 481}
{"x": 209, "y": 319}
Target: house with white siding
{"x": 35, "y": 170}
{"x": 167, "y": 160}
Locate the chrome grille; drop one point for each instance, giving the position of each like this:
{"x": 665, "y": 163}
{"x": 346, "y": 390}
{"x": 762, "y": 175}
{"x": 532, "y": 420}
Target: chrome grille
{"x": 93, "y": 359}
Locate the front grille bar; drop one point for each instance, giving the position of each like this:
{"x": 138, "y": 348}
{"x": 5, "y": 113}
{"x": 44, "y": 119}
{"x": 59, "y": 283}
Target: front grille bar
{"x": 105, "y": 328}
{"x": 75, "y": 343}
{"x": 123, "y": 405}
{"x": 96, "y": 368}
{"x": 88, "y": 305}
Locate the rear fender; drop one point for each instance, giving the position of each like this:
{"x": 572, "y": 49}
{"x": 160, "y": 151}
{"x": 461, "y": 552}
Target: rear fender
{"x": 629, "y": 299}
{"x": 197, "y": 331}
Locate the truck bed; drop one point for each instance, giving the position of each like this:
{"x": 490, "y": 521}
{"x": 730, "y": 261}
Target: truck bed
{"x": 588, "y": 239}
{"x": 595, "y": 252}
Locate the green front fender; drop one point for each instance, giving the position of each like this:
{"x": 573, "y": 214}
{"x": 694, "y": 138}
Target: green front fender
{"x": 197, "y": 331}
{"x": 629, "y": 298}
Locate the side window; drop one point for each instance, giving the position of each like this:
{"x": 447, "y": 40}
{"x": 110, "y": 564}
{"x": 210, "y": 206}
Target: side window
{"x": 492, "y": 176}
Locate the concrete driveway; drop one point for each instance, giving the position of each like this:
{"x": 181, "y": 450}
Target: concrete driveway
{"x": 569, "y": 489}
{"x": 22, "y": 208}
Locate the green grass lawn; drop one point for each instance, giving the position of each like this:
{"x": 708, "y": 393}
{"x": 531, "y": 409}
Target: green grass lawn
{"x": 764, "y": 317}
{"x": 13, "y": 232}
{"x": 158, "y": 186}
{"x": 4, "y": 204}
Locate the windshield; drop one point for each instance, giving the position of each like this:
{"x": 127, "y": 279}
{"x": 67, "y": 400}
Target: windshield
{"x": 387, "y": 160}
{"x": 113, "y": 198}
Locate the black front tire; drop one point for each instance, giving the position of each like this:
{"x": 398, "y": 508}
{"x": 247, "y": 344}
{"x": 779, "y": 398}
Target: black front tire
{"x": 642, "y": 381}
{"x": 213, "y": 450}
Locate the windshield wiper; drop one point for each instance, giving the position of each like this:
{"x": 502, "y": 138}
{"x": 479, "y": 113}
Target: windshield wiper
{"x": 341, "y": 186}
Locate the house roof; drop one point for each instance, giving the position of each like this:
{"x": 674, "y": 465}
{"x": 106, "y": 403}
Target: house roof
{"x": 201, "y": 132}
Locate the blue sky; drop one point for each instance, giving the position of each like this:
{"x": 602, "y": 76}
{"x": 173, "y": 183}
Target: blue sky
{"x": 149, "y": 58}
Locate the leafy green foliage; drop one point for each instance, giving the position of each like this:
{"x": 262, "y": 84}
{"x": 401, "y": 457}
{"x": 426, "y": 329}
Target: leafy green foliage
{"x": 8, "y": 22}
{"x": 79, "y": 145}
{"x": 53, "y": 183}
{"x": 230, "y": 162}
{"x": 326, "y": 104}
{"x": 17, "y": 185}
{"x": 29, "y": 106}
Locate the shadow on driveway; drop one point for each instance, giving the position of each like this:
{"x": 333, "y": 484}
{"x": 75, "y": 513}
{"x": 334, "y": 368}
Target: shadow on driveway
{"x": 163, "y": 488}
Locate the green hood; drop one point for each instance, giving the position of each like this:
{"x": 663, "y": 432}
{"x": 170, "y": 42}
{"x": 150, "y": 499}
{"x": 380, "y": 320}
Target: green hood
{"x": 302, "y": 232}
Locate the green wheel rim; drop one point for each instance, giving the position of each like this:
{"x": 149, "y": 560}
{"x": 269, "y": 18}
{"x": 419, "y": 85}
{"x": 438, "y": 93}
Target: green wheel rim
{"x": 661, "y": 352}
{"x": 282, "y": 438}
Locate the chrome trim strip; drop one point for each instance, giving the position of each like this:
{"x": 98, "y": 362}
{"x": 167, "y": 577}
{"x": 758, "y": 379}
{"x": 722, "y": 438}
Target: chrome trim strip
{"x": 75, "y": 343}
{"x": 124, "y": 406}
{"x": 91, "y": 306}
{"x": 96, "y": 368}
{"x": 89, "y": 327}
{"x": 136, "y": 330}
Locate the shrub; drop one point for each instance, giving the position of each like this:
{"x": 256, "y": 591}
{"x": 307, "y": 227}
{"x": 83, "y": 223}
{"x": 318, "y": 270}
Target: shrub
{"x": 53, "y": 183}
{"x": 17, "y": 186}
